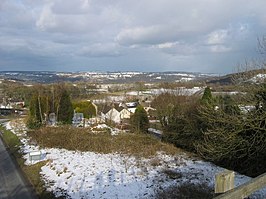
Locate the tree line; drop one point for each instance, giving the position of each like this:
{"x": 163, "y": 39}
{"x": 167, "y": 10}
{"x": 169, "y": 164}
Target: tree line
{"x": 220, "y": 129}
{"x": 55, "y": 99}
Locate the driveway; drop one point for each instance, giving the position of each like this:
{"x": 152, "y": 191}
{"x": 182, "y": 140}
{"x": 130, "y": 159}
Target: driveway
{"x": 12, "y": 183}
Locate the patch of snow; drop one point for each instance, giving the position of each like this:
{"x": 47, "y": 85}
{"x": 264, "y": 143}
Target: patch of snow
{"x": 246, "y": 109}
{"x": 258, "y": 78}
{"x": 185, "y": 79}
{"x": 101, "y": 126}
{"x": 133, "y": 93}
{"x": 8, "y": 106}
{"x": 114, "y": 131}
{"x": 228, "y": 93}
{"x": 177, "y": 91}
{"x": 91, "y": 175}
{"x": 28, "y": 85}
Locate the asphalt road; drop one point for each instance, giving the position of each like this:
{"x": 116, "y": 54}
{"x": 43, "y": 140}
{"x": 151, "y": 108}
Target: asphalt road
{"x": 12, "y": 183}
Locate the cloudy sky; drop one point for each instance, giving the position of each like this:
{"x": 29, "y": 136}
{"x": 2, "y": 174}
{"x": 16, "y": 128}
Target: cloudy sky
{"x": 129, "y": 35}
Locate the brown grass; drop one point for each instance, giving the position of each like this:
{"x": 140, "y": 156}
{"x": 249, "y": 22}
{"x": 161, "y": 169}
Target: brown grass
{"x": 33, "y": 174}
{"x": 186, "y": 191}
{"x": 83, "y": 140}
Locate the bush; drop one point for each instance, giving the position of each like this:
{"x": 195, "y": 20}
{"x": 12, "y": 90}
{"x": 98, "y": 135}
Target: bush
{"x": 85, "y": 107}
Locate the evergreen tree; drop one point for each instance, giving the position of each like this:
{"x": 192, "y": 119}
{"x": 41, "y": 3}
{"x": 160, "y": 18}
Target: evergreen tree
{"x": 207, "y": 96}
{"x": 140, "y": 120}
{"x": 65, "y": 109}
{"x": 38, "y": 108}
{"x": 34, "y": 118}
{"x": 229, "y": 106}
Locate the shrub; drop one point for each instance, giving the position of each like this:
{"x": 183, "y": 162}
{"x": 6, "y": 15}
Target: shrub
{"x": 83, "y": 140}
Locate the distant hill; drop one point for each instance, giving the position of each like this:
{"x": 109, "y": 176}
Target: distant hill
{"x": 252, "y": 76}
{"x": 102, "y": 77}
{"x": 44, "y": 77}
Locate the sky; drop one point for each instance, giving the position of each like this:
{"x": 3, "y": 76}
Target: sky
{"x": 213, "y": 36}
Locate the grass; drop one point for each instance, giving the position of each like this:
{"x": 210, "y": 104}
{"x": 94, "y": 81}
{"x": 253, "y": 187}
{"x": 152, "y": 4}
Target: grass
{"x": 186, "y": 191}
{"x": 83, "y": 139}
{"x": 31, "y": 172}
{"x": 11, "y": 140}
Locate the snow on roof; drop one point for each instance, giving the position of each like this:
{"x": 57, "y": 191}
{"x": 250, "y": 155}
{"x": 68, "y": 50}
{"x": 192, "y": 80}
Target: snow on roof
{"x": 156, "y": 131}
{"x": 131, "y": 104}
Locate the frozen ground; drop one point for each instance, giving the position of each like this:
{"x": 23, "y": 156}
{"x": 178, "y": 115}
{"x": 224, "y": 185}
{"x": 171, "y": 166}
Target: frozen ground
{"x": 90, "y": 175}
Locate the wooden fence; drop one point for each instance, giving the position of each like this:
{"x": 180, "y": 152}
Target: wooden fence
{"x": 245, "y": 189}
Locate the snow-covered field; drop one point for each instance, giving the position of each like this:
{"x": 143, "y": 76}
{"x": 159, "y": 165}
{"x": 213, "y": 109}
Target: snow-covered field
{"x": 177, "y": 91}
{"x": 91, "y": 175}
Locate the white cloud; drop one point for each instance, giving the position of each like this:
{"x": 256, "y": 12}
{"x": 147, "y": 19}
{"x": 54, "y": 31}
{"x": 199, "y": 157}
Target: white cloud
{"x": 47, "y": 19}
{"x": 218, "y": 37}
{"x": 167, "y": 45}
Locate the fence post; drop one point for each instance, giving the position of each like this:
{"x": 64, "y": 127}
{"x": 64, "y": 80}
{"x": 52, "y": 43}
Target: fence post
{"x": 224, "y": 181}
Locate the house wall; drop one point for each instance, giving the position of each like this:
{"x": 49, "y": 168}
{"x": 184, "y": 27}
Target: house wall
{"x": 125, "y": 114}
{"x": 113, "y": 115}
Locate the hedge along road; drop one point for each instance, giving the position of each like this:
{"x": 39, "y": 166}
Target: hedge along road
{"x": 12, "y": 183}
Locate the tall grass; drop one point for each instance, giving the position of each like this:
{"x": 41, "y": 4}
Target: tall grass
{"x": 11, "y": 140}
{"x": 84, "y": 140}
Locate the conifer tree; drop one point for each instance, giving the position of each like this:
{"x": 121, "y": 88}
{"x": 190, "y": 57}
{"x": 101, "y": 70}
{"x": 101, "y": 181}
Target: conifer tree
{"x": 65, "y": 108}
{"x": 34, "y": 118}
{"x": 140, "y": 120}
{"x": 207, "y": 96}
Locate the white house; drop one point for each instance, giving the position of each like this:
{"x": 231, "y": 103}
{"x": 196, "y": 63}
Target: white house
{"x": 125, "y": 114}
{"x": 116, "y": 114}
{"x": 131, "y": 110}
{"x": 112, "y": 115}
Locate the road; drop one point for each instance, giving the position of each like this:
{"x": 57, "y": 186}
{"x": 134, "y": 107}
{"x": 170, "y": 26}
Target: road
{"x": 12, "y": 183}
{"x": 3, "y": 120}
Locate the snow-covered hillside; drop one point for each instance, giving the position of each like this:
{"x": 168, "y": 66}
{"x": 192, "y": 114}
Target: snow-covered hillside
{"x": 259, "y": 78}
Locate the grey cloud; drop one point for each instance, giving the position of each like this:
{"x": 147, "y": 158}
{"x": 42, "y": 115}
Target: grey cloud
{"x": 129, "y": 34}
{"x": 15, "y": 15}
{"x": 101, "y": 50}
{"x": 70, "y": 7}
